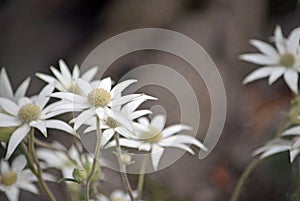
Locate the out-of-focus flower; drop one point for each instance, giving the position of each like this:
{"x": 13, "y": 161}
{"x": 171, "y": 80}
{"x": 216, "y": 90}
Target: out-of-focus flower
{"x": 116, "y": 195}
{"x": 64, "y": 159}
{"x": 29, "y": 113}
{"x": 16, "y": 178}
{"x": 65, "y": 80}
{"x": 282, "y": 61}
{"x": 155, "y": 138}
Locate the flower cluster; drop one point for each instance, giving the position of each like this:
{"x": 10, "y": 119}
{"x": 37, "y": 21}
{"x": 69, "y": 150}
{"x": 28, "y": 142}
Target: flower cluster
{"x": 99, "y": 107}
{"x": 283, "y": 60}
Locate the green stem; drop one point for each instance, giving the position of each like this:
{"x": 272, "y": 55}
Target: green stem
{"x": 142, "y": 177}
{"x": 38, "y": 167}
{"x": 123, "y": 168}
{"x": 96, "y": 156}
{"x": 243, "y": 178}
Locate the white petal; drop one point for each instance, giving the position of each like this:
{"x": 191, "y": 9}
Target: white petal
{"x": 179, "y": 146}
{"x": 59, "y": 125}
{"x": 65, "y": 72}
{"x": 7, "y": 120}
{"x": 123, "y": 99}
{"x": 275, "y": 150}
{"x": 258, "y": 74}
{"x": 124, "y": 132}
{"x": 121, "y": 86}
{"x": 156, "y": 154}
{"x": 22, "y": 89}
{"x": 29, "y": 187}
{"x": 15, "y": 139}
{"x": 279, "y": 40}
{"x": 186, "y": 139}
{"x": 132, "y": 106}
{"x": 277, "y": 73}
{"x": 5, "y": 86}
{"x": 4, "y": 166}
{"x": 40, "y": 125}
{"x": 24, "y": 101}
{"x": 90, "y": 74}
{"x": 121, "y": 119}
{"x": 138, "y": 114}
{"x": 293, "y": 41}
{"x": 265, "y": 48}
{"x": 13, "y": 194}
{"x": 76, "y": 72}
{"x": 144, "y": 121}
{"x": 126, "y": 143}
{"x": 83, "y": 117}
{"x": 47, "y": 78}
{"x": 158, "y": 122}
{"x": 19, "y": 163}
{"x": 291, "y": 78}
{"x": 84, "y": 86}
{"x": 170, "y": 130}
{"x": 258, "y": 59}
{"x": 105, "y": 84}
{"x": 293, "y": 154}
{"x": 43, "y": 96}
{"x": 71, "y": 97}
{"x": 106, "y": 136}
{"x": 292, "y": 131}
{"x": 9, "y": 106}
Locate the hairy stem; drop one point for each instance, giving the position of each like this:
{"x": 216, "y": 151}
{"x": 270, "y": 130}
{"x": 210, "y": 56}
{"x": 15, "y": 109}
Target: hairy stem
{"x": 123, "y": 168}
{"x": 96, "y": 156}
{"x": 38, "y": 167}
{"x": 142, "y": 177}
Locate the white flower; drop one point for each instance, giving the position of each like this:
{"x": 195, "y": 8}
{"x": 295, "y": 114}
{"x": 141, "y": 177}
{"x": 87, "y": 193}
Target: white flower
{"x": 274, "y": 146}
{"x": 155, "y": 138}
{"x": 96, "y": 101}
{"x": 64, "y": 80}
{"x": 14, "y": 178}
{"x": 6, "y": 90}
{"x": 64, "y": 159}
{"x": 116, "y": 195}
{"x": 120, "y": 122}
{"x": 284, "y": 60}
{"x": 29, "y": 114}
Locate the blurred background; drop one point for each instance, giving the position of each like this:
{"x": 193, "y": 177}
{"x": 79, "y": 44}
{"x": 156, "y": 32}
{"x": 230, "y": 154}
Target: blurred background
{"x": 35, "y": 34}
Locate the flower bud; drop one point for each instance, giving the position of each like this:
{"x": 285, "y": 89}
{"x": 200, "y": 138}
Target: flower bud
{"x": 79, "y": 174}
{"x": 126, "y": 158}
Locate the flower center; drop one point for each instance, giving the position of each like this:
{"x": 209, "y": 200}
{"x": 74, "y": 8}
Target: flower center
{"x": 99, "y": 97}
{"x": 287, "y": 60}
{"x": 9, "y": 178}
{"x": 111, "y": 122}
{"x": 153, "y": 136}
{"x": 116, "y": 199}
{"x": 29, "y": 112}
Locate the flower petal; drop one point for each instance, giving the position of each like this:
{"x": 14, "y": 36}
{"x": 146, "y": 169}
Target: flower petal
{"x": 106, "y": 136}
{"x": 121, "y": 86}
{"x": 84, "y": 86}
{"x": 5, "y": 86}
{"x": 158, "y": 122}
{"x": 265, "y": 48}
{"x": 175, "y": 129}
{"x": 12, "y": 194}
{"x": 258, "y": 59}
{"x": 291, "y": 78}
{"x": 44, "y": 96}
{"x": 65, "y": 72}
{"x": 40, "y": 125}
{"x": 277, "y": 73}
{"x": 258, "y": 74}
{"x": 8, "y": 121}
{"x": 279, "y": 40}
{"x": 83, "y": 117}
{"x": 22, "y": 89}
{"x": 105, "y": 84}
{"x": 156, "y": 154}
{"x": 293, "y": 41}
{"x": 19, "y": 163}
{"x": 71, "y": 97}
{"x": 15, "y": 139}
{"x": 90, "y": 74}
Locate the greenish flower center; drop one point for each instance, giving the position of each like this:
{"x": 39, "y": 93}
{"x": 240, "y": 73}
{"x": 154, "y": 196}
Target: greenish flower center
{"x": 99, "y": 97}
{"x": 153, "y": 136}
{"x": 9, "y": 178}
{"x": 111, "y": 122}
{"x": 29, "y": 112}
{"x": 287, "y": 60}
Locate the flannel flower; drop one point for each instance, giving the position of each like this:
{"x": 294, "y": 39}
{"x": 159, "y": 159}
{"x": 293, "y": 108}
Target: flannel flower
{"x": 96, "y": 100}
{"x": 16, "y": 178}
{"x": 122, "y": 123}
{"x": 155, "y": 138}
{"x": 65, "y": 80}
{"x": 27, "y": 114}
{"x": 282, "y": 61}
